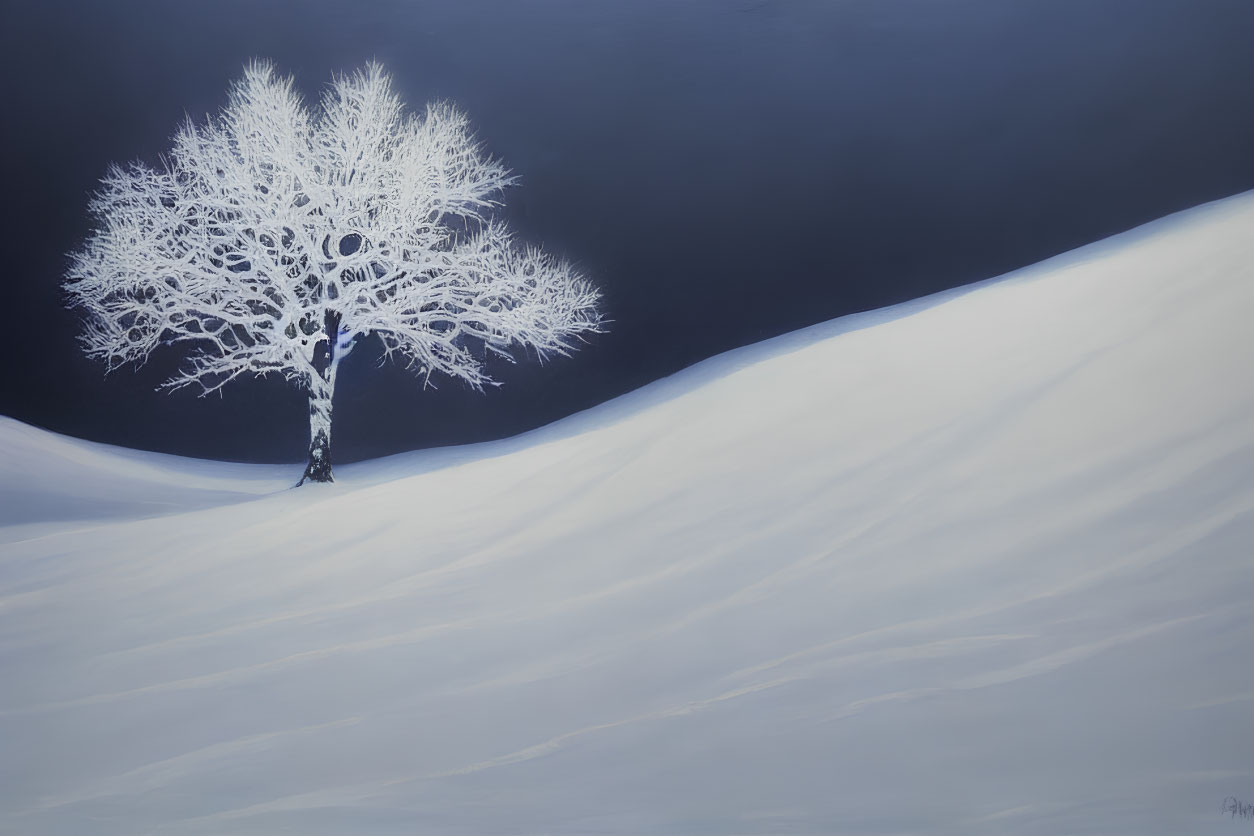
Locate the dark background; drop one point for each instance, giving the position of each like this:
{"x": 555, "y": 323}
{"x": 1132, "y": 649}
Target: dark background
{"x": 725, "y": 171}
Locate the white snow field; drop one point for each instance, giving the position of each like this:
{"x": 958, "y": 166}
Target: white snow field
{"x": 978, "y": 564}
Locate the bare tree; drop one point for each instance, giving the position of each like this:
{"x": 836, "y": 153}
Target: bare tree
{"x": 271, "y": 240}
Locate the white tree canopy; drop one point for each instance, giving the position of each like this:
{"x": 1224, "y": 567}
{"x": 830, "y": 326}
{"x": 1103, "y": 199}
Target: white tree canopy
{"x": 270, "y": 239}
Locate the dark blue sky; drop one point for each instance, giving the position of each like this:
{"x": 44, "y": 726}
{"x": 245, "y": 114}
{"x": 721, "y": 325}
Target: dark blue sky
{"x": 725, "y": 171}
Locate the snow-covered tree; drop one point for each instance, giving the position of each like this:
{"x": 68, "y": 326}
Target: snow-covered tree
{"x": 272, "y": 240}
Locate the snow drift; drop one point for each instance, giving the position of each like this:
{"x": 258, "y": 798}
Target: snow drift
{"x": 977, "y": 564}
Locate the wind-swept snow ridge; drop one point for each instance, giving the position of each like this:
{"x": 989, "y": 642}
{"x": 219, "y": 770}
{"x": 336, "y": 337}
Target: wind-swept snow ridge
{"x": 980, "y": 564}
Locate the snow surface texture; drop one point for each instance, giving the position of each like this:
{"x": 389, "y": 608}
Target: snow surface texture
{"x": 979, "y": 564}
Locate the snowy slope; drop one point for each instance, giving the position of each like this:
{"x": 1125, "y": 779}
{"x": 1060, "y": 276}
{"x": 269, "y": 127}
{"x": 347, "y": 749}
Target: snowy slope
{"x": 50, "y": 477}
{"x": 981, "y": 564}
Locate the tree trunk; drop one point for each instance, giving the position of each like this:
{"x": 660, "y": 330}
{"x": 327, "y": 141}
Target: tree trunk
{"x": 319, "y": 467}
{"x": 321, "y": 391}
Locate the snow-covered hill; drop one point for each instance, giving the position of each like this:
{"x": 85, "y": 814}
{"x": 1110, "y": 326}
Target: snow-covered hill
{"x": 980, "y": 564}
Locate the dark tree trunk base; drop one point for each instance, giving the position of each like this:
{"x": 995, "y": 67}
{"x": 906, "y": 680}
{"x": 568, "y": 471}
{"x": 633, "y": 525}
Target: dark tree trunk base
{"x": 319, "y": 467}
